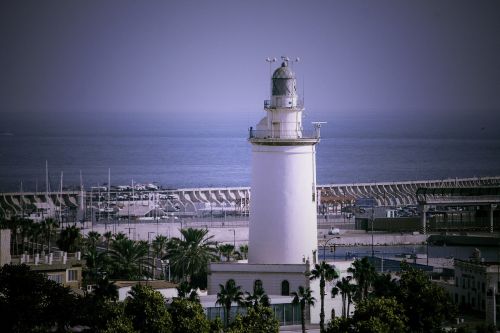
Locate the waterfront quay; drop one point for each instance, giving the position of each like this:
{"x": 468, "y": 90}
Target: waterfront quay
{"x": 141, "y": 202}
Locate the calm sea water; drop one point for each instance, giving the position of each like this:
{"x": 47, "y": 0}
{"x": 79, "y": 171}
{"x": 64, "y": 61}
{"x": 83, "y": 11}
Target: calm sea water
{"x": 215, "y": 153}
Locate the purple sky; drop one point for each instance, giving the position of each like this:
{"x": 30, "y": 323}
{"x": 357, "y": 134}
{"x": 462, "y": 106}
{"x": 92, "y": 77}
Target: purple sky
{"x": 378, "y": 58}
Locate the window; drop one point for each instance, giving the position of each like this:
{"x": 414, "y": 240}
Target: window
{"x": 285, "y": 288}
{"x": 72, "y": 275}
{"x": 257, "y": 285}
{"x": 55, "y": 277}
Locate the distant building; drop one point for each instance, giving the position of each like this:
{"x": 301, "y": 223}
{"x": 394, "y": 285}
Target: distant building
{"x": 476, "y": 287}
{"x": 61, "y": 267}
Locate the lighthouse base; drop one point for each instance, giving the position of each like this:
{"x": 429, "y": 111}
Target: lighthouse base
{"x": 276, "y": 279}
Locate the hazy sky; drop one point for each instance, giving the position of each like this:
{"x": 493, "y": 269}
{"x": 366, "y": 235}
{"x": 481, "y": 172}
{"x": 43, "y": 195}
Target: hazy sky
{"x": 382, "y": 58}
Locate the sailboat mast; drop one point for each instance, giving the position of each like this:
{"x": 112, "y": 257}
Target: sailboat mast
{"x": 109, "y": 189}
{"x": 60, "y": 199}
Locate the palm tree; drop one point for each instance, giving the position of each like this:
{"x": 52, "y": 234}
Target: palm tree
{"x": 346, "y": 290}
{"x": 35, "y": 233}
{"x": 95, "y": 262}
{"x": 244, "y": 251}
{"x": 364, "y": 274}
{"x": 128, "y": 257}
{"x": 190, "y": 256}
{"x": 69, "y": 239}
{"x": 227, "y": 250}
{"x": 48, "y": 226}
{"x": 159, "y": 245}
{"x": 303, "y": 296}
{"x": 324, "y": 272}
{"x": 258, "y": 298}
{"x": 228, "y": 294}
{"x": 106, "y": 289}
{"x": 92, "y": 239}
{"x": 108, "y": 235}
{"x": 185, "y": 291}
{"x": 25, "y": 231}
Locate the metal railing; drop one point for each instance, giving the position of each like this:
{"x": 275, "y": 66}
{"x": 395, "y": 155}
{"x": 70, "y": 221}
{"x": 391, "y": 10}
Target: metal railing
{"x": 281, "y": 135}
{"x": 267, "y": 103}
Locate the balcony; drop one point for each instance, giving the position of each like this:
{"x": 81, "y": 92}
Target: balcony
{"x": 280, "y": 137}
{"x": 267, "y": 104}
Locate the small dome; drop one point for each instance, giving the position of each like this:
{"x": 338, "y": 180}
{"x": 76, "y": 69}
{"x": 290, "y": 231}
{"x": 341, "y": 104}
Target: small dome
{"x": 283, "y": 72}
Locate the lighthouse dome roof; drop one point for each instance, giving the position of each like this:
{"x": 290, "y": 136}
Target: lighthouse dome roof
{"x": 283, "y": 72}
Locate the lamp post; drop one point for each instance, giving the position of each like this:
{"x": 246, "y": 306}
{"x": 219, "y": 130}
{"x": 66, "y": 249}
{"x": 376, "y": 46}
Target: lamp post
{"x": 373, "y": 252}
{"x": 326, "y": 243}
{"x": 149, "y": 248}
{"x": 234, "y": 237}
{"x": 168, "y": 263}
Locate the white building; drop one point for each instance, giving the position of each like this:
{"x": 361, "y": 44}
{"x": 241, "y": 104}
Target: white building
{"x": 476, "y": 286}
{"x": 283, "y": 226}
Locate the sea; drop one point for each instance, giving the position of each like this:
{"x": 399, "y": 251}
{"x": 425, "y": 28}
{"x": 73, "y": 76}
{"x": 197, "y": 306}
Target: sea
{"x": 192, "y": 151}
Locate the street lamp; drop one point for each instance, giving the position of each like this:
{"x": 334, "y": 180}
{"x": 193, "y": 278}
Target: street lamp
{"x": 234, "y": 237}
{"x": 168, "y": 263}
{"x": 149, "y": 248}
{"x": 373, "y": 252}
{"x": 325, "y": 245}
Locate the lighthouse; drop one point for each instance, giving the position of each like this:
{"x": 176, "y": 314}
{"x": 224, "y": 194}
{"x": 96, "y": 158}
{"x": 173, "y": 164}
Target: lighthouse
{"x": 283, "y": 225}
{"x": 282, "y": 229}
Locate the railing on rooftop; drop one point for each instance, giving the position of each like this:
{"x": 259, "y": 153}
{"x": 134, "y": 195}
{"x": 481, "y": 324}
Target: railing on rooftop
{"x": 283, "y": 135}
{"x": 267, "y": 103}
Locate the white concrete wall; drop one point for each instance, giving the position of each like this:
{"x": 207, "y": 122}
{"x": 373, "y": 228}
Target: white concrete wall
{"x": 245, "y": 276}
{"x": 289, "y": 120}
{"x": 283, "y": 213}
{"x": 330, "y": 303}
{"x": 5, "y": 257}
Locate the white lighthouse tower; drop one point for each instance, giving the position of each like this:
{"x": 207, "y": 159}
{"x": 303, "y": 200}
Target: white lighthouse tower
{"x": 282, "y": 229}
{"x": 283, "y": 205}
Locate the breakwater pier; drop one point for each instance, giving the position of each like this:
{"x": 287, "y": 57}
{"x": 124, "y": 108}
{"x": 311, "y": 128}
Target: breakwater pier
{"x": 140, "y": 203}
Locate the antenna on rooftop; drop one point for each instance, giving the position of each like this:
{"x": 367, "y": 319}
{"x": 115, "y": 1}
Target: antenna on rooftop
{"x": 270, "y": 61}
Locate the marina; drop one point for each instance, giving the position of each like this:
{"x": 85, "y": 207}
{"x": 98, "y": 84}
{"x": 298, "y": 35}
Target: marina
{"x": 150, "y": 202}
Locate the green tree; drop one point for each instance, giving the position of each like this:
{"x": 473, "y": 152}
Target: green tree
{"x": 185, "y": 291}
{"x": 303, "y": 296}
{"x": 120, "y": 324}
{"x": 257, "y": 298}
{"x": 29, "y": 302}
{"x": 189, "y": 257}
{"x": 216, "y": 325}
{"x": 188, "y": 316}
{"x": 25, "y": 231}
{"x": 35, "y": 231}
{"x": 69, "y": 239}
{"x": 108, "y": 235}
{"x": 259, "y": 319}
{"x": 324, "y": 272}
{"x": 159, "y": 245}
{"x": 426, "y": 305}
{"x": 346, "y": 289}
{"x": 385, "y": 286}
{"x": 146, "y": 308}
{"x": 92, "y": 239}
{"x": 96, "y": 264}
{"x": 244, "y": 251}
{"x": 106, "y": 290}
{"x": 340, "y": 325}
{"x": 128, "y": 257}
{"x": 364, "y": 273}
{"x": 48, "y": 227}
{"x": 100, "y": 310}
{"x": 380, "y": 315}
{"x": 227, "y": 250}
{"x": 228, "y": 294}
